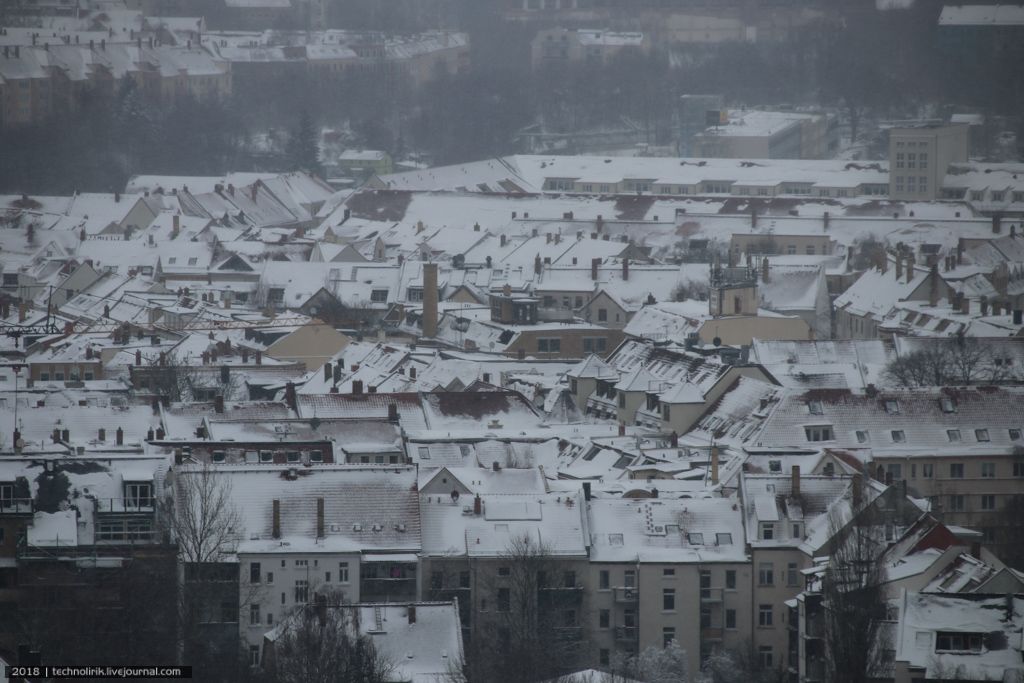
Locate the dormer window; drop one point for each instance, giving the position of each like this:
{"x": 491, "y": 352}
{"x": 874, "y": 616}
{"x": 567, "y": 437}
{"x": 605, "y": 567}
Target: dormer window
{"x": 767, "y": 531}
{"x": 898, "y": 436}
{"x": 815, "y": 408}
{"x": 138, "y": 494}
{"x": 219, "y": 456}
{"x": 819, "y": 433}
{"x": 892, "y": 407}
{"x": 947, "y": 404}
{"x": 774, "y": 465}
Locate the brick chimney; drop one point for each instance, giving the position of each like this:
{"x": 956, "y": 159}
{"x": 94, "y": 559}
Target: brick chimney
{"x": 933, "y": 289}
{"x": 119, "y": 437}
{"x": 765, "y": 270}
{"x": 857, "y": 489}
{"x": 328, "y": 372}
{"x": 102, "y": 434}
{"x": 899, "y": 267}
{"x": 429, "y": 300}
{"x": 289, "y": 396}
{"x": 357, "y": 386}
{"x": 910, "y": 267}
{"x": 393, "y": 412}
{"x": 537, "y": 264}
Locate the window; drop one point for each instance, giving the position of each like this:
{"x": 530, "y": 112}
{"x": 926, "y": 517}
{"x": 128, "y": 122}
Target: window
{"x": 1014, "y": 435}
{"x": 894, "y": 471}
{"x": 301, "y": 563}
{"x": 988, "y": 470}
{"x": 604, "y": 656}
{"x": 138, "y": 495}
{"x": 668, "y": 599}
{"x": 862, "y": 436}
{"x": 892, "y": 407}
{"x": 266, "y": 456}
{"x": 988, "y": 502}
{"x": 696, "y": 538}
{"x": 292, "y": 456}
{"x": 379, "y": 296}
{"x": 270, "y": 577}
{"x": 604, "y": 580}
{"x": 1018, "y": 469}
{"x": 343, "y": 572}
{"x": 463, "y": 579}
{"x": 602, "y": 315}
{"x": 819, "y": 433}
{"x": 927, "y": 470}
{"x": 254, "y": 615}
{"x": 956, "y": 470}
{"x": 953, "y": 435}
{"x": 549, "y": 345}
{"x": 815, "y": 408}
{"x": 219, "y": 456}
{"x": 767, "y": 531}
{"x": 301, "y": 591}
{"x": 764, "y": 615}
{"x": 792, "y": 574}
{"x": 504, "y": 600}
{"x": 604, "y": 618}
{"x": 595, "y": 344}
{"x": 254, "y": 655}
{"x": 956, "y": 503}
{"x": 958, "y": 642}
{"x": 327, "y": 577}
{"x": 981, "y": 435}
{"x": 766, "y": 574}
{"x": 629, "y": 577}
{"x": 898, "y": 436}
{"x": 254, "y": 572}
{"x": 947, "y": 404}
{"x": 668, "y": 634}
{"x": 730, "y": 579}
{"x": 668, "y": 572}
{"x": 723, "y": 538}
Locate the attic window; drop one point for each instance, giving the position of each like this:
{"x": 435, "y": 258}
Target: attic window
{"x": 953, "y": 435}
{"x": 981, "y": 435}
{"x": 898, "y": 436}
{"x": 892, "y": 407}
{"x": 958, "y": 642}
{"x": 723, "y": 539}
{"x": 423, "y": 452}
{"x": 615, "y": 539}
{"x": 774, "y": 465}
{"x": 379, "y": 296}
{"x": 266, "y": 456}
{"x": 815, "y": 408}
{"x": 1014, "y": 435}
{"x": 218, "y": 456}
{"x": 193, "y": 260}
{"x": 171, "y": 260}
{"x": 947, "y": 404}
{"x": 696, "y": 538}
{"x": 819, "y": 433}
{"x": 862, "y": 436}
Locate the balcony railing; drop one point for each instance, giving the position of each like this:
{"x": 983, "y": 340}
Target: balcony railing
{"x": 16, "y": 506}
{"x": 125, "y": 505}
{"x": 626, "y": 594}
{"x": 626, "y": 633}
{"x": 712, "y": 594}
{"x": 710, "y": 633}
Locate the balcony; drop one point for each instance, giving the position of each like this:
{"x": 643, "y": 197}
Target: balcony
{"x": 711, "y": 633}
{"x": 712, "y": 595}
{"x": 16, "y": 506}
{"x": 626, "y": 594}
{"x": 626, "y": 634}
{"x": 813, "y": 628}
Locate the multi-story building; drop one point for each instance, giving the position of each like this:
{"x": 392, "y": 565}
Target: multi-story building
{"x": 759, "y": 134}
{"x": 919, "y": 157}
{"x": 564, "y": 46}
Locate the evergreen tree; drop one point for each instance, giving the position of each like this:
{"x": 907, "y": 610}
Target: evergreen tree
{"x": 304, "y": 146}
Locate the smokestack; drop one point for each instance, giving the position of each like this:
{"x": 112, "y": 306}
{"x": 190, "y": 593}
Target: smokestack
{"x": 320, "y": 517}
{"x": 429, "y": 300}
{"x": 714, "y": 464}
{"x": 795, "y": 481}
{"x": 625, "y": 269}
{"x": 218, "y": 404}
{"x": 595, "y": 263}
{"x": 276, "y": 532}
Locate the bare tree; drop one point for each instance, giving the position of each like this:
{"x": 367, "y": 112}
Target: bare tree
{"x": 959, "y": 361}
{"x": 323, "y": 643}
{"x": 853, "y": 599}
{"x": 533, "y": 632}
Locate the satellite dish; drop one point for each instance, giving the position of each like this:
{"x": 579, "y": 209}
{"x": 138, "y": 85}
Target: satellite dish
{"x": 455, "y": 496}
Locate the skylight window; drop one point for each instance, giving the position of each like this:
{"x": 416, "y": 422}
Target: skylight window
{"x": 815, "y": 408}
{"x": 898, "y": 436}
{"x": 862, "y": 436}
{"x": 615, "y": 539}
{"x": 953, "y": 435}
{"x": 981, "y": 435}
{"x": 1014, "y": 435}
{"x": 696, "y": 538}
{"x": 892, "y": 407}
{"x": 947, "y": 404}
{"x": 724, "y": 538}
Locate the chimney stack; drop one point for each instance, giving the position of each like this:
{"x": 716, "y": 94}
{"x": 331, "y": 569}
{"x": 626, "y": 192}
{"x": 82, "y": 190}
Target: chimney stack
{"x": 933, "y": 289}
{"x": 625, "y": 269}
{"x": 357, "y": 386}
{"x": 714, "y": 464}
{"x": 138, "y": 357}
{"x": 997, "y": 224}
{"x": 320, "y": 517}
{"x": 259, "y": 357}
{"x": 595, "y": 263}
{"x": 857, "y": 490}
{"x": 765, "y": 270}
{"x": 910, "y": 267}
{"x": 393, "y": 412}
{"x": 290, "y": 398}
{"x": 795, "y": 481}
{"x": 102, "y": 434}
{"x": 276, "y": 532}
{"x": 586, "y": 491}
{"x": 429, "y": 300}
{"x": 328, "y": 372}
{"x": 477, "y": 505}
{"x": 537, "y": 265}
{"x": 119, "y": 437}
{"x": 218, "y": 404}
{"x": 411, "y": 611}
